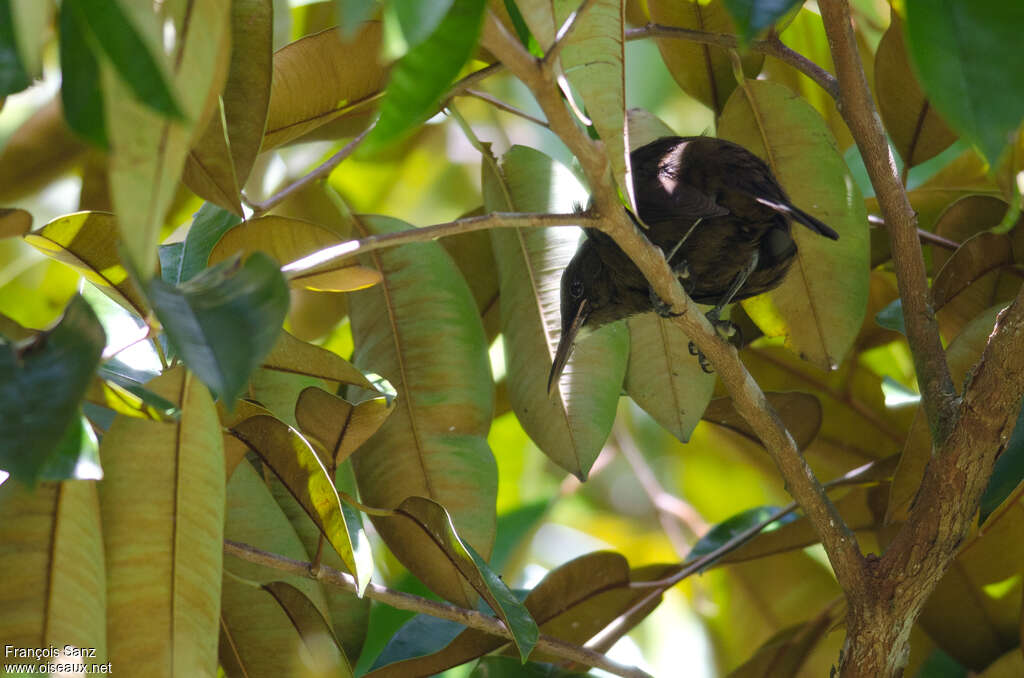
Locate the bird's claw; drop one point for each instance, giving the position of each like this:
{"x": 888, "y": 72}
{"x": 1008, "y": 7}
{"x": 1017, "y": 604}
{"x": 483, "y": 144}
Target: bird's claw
{"x": 661, "y": 308}
{"x": 727, "y": 330}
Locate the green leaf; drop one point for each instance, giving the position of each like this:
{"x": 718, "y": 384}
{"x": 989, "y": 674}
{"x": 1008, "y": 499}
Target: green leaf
{"x": 891, "y": 317}
{"x": 80, "y": 72}
{"x": 136, "y": 60}
{"x": 210, "y": 223}
{"x": 421, "y": 331}
{"x": 295, "y": 463}
{"x": 968, "y": 56}
{"x": 76, "y": 455}
{"x": 572, "y": 425}
{"x": 420, "y": 77}
{"x": 13, "y": 77}
{"x": 420, "y": 636}
{"x": 515, "y": 615}
{"x": 225, "y": 320}
{"x": 753, "y": 16}
{"x": 41, "y": 385}
{"x": 821, "y": 303}
{"x": 419, "y": 19}
{"x": 730, "y": 528}
{"x": 1007, "y": 474}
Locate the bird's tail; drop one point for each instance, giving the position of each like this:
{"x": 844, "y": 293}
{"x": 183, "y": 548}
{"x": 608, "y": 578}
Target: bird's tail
{"x": 797, "y": 214}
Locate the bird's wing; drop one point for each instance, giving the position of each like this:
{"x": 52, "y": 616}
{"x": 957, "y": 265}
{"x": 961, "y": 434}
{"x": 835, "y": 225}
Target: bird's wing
{"x": 684, "y": 204}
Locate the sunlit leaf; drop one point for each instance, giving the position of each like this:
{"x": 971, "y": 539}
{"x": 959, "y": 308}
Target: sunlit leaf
{"x": 298, "y": 467}
{"x": 964, "y": 52}
{"x": 289, "y": 240}
{"x": 162, "y": 506}
{"x": 338, "y": 426}
{"x": 321, "y": 78}
{"x": 292, "y": 356}
{"x": 148, "y": 149}
{"x": 663, "y": 377}
{"x": 474, "y": 256}
{"x": 572, "y": 424}
{"x": 224, "y": 321}
{"x": 784, "y": 654}
{"x": 220, "y": 161}
{"x": 317, "y": 636}
{"x": 61, "y": 598}
{"x": 420, "y": 330}
{"x": 88, "y": 242}
{"x": 593, "y": 61}
{"x": 259, "y": 637}
{"x": 819, "y": 307}
{"x": 41, "y": 385}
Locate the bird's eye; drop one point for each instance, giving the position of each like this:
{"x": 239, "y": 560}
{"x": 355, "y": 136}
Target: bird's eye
{"x": 576, "y": 289}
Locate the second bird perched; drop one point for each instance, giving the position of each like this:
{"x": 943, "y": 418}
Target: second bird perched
{"x": 718, "y": 214}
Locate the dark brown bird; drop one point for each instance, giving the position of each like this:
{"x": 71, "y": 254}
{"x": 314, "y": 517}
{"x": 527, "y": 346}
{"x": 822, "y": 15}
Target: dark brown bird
{"x": 717, "y": 212}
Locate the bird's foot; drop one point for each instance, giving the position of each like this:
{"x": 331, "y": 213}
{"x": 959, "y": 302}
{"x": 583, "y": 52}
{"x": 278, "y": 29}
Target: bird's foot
{"x": 726, "y": 330}
{"x": 682, "y": 270}
{"x": 661, "y": 308}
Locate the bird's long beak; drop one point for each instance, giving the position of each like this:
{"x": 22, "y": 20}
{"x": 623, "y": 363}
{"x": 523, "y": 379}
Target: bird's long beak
{"x": 566, "y": 342}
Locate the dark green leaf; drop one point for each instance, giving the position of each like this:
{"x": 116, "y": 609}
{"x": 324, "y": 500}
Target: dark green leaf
{"x": 420, "y": 78}
{"x": 753, "y": 16}
{"x": 129, "y": 53}
{"x": 940, "y": 665}
{"x": 77, "y": 455}
{"x": 13, "y": 77}
{"x": 41, "y": 385}
{"x": 731, "y": 527}
{"x": 891, "y": 317}
{"x": 1008, "y": 472}
{"x": 225, "y": 320}
{"x": 969, "y": 58}
{"x": 513, "y": 612}
{"x": 80, "y": 76}
{"x": 420, "y": 636}
{"x": 187, "y": 259}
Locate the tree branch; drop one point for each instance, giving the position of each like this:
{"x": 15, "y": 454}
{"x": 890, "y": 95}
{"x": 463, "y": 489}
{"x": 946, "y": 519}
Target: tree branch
{"x": 406, "y": 601}
{"x": 261, "y": 208}
{"x": 353, "y": 248}
{"x": 858, "y": 110}
{"x": 771, "y": 46}
{"x": 839, "y": 542}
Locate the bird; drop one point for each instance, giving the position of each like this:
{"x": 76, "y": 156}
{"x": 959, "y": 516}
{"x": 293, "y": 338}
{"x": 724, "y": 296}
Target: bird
{"x": 718, "y": 213}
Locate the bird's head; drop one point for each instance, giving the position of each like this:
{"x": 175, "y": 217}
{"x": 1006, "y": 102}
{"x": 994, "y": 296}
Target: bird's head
{"x": 582, "y": 295}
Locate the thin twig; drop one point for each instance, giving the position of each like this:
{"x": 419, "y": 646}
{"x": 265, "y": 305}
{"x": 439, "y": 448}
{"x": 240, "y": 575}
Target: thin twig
{"x": 923, "y": 235}
{"x": 771, "y": 46}
{"x": 858, "y": 110}
{"x": 260, "y": 208}
{"x": 498, "y": 103}
{"x": 406, "y": 601}
{"x": 353, "y": 248}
